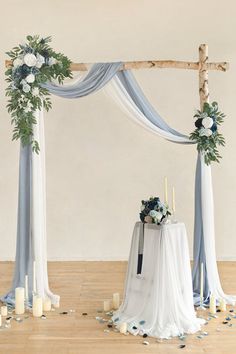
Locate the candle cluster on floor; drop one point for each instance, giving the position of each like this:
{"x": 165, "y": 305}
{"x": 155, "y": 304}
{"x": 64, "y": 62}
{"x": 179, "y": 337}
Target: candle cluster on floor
{"x": 8, "y": 314}
{"x": 24, "y": 309}
{"x": 124, "y": 328}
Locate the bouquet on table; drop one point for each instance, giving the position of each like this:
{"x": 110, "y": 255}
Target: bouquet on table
{"x": 153, "y": 211}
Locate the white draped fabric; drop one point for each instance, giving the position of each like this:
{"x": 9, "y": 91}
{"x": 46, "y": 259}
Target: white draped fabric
{"x": 39, "y": 212}
{"x": 159, "y": 301}
{"x": 117, "y": 91}
{"x": 209, "y": 230}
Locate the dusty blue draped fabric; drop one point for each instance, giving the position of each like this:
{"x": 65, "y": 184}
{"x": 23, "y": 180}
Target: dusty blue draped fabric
{"x": 97, "y": 78}
{"x": 24, "y": 257}
{"x": 198, "y": 247}
{"x": 99, "y": 75}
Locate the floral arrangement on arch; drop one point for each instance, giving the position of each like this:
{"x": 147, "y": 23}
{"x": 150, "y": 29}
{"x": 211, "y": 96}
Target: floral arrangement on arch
{"x": 32, "y": 64}
{"x": 206, "y": 133}
{"x": 153, "y": 211}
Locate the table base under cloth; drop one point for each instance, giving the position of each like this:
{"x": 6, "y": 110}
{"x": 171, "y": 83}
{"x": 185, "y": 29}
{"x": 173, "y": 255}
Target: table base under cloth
{"x": 159, "y": 300}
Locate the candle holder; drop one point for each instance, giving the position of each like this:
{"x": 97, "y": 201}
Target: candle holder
{"x": 173, "y": 218}
{"x": 201, "y": 305}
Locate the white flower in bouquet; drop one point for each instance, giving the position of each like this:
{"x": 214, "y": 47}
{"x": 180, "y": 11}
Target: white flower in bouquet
{"x": 23, "y": 82}
{"x": 28, "y": 108}
{"x": 22, "y": 99}
{"x": 17, "y": 62}
{"x": 142, "y": 207}
{"x": 205, "y": 132}
{"x": 35, "y": 91}
{"x": 40, "y": 61}
{"x": 207, "y": 122}
{"x": 30, "y": 59}
{"x": 30, "y": 78}
{"x": 159, "y": 216}
{"x": 26, "y": 88}
{"x": 52, "y": 61}
{"x": 153, "y": 214}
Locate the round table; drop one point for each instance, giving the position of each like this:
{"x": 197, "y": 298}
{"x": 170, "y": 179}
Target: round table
{"x": 158, "y": 296}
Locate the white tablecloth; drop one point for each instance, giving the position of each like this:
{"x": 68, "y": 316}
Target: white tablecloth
{"x": 159, "y": 301}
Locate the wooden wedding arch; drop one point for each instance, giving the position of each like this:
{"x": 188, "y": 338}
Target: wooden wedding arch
{"x": 203, "y": 67}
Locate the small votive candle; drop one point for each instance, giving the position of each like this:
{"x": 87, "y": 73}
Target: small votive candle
{"x": 37, "y": 306}
{"x": 47, "y": 304}
{"x": 107, "y": 305}
{"x": 19, "y": 301}
{"x": 116, "y": 301}
{"x": 4, "y": 311}
{"x": 212, "y": 304}
{"x": 123, "y": 327}
{"x": 222, "y": 306}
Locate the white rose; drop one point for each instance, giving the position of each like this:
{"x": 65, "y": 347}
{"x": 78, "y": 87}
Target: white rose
{"x": 30, "y": 59}
{"x": 52, "y": 61}
{"x": 142, "y": 207}
{"x": 159, "y": 216}
{"x": 153, "y": 213}
{"x": 17, "y": 62}
{"x": 207, "y": 122}
{"x": 30, "y": 78}
{"x": 35, "y": 91}
{"x": 40, "y": 61}
{"x": 26, "y": 88}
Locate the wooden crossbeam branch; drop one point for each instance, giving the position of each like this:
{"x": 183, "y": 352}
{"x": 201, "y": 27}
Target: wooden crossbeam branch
{"x": 153, "y": 64}
{"x": 203, "y": 66}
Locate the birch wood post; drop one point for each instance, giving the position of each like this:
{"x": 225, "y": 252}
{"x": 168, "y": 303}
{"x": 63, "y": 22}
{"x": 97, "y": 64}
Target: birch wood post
{"x": 203, "y": 75}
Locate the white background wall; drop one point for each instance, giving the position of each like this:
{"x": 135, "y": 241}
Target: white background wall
{"x": 99, "y": 163}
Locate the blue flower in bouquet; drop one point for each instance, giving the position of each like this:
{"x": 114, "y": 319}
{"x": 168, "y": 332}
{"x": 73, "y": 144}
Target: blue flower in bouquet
{"x": 153, "y": 211}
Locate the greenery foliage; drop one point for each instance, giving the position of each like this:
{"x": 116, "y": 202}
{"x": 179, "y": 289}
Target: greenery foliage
{"x": 32, "y": 64}
{"x": 206, "y": 134}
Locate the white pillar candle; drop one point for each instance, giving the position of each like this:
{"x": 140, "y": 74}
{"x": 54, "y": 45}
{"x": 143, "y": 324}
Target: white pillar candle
{"x": 37, "y": 306}
{"x": 212, "y": 304}
{"x": 173, "y": 199}
{"x": 4, "y": 311}
{"x": 116, "y": 301}
{"x": 201, "y": 283}
{"x": 222, "y": 305}
{"x": 19, "y": 301}
{"x": 0, "y": 320}
{"x": 34, "y": 277}
{"x": 47, "y": 304}
{"x": 123, "y": 327}
{"x": 107, "y": 305}
{"x": 166, "y": 190}
{"x": 26, "y": 288}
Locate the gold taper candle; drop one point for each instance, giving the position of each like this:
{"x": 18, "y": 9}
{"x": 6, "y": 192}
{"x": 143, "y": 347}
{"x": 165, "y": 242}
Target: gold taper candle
{"x": 166, "y": 190}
